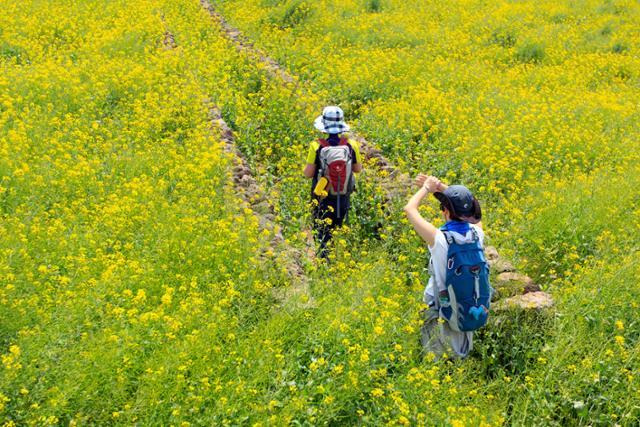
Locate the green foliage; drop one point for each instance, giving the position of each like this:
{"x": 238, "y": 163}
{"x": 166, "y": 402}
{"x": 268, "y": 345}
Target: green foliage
{"x": 291, "y": 13}
{"x": 504, "y": 37}
{"x": 131, "y": 43}
{"x": 612, "y": 7}
{"x": 606, "y": 30}
{"x": 373, "y": 6}
{"x": 513, "y": 342}
{"x": 559, "y": 18}
{"x": 15, "y": 53}
{"x": 619, "y": 47}
{"x": 530, "y": 53}
{"x": 588, "y": 382}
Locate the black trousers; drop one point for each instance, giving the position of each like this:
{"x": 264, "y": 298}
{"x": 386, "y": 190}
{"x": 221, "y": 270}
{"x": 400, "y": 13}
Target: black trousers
{"x": 326, "y": 217}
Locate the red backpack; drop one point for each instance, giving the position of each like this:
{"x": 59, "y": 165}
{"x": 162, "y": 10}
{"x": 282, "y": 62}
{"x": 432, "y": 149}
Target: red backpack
{"x": 336, "y": 164}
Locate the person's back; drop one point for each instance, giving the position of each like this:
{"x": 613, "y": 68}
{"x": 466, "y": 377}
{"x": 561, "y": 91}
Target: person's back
{"x": 331, "y": 162}
{"x": 461, "y": 342}
{"x": 462, "y": 230}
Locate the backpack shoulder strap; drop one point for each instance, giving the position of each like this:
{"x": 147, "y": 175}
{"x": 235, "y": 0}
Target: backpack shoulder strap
{"x": 447, "y": 235}
{"x": 323, "y": 143}
{"x": 476, "y": 237}
{"x": 344, "y": 141}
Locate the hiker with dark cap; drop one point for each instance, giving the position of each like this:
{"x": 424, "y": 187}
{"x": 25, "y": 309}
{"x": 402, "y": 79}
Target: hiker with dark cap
{"x": 458, "y": 292}
{"x": 331, "y": 163}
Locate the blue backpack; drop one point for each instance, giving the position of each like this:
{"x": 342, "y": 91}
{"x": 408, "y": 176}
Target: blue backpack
{"x": 465, "y": 304}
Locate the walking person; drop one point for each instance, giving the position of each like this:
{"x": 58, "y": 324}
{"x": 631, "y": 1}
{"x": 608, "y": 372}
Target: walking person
{"x": 458, "y": 292}
{"x": 331, "y": 164}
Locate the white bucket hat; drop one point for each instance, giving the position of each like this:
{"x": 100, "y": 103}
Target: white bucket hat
{"x": 331, "y": 121}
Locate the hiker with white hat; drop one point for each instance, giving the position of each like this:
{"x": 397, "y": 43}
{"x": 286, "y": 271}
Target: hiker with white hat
{"x": 458, "y": 294}
{"x": 331, "y": 163}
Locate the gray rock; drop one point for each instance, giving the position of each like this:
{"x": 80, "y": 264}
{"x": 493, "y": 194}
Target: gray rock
{"x": 491, "y": 253}
{"x": 531, "y": 301}
{"x": 512, "y": 283}
{"x": 500, "y": 265}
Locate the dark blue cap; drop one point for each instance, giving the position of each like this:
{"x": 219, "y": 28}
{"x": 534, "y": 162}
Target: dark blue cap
{"x": 461, "y": 202}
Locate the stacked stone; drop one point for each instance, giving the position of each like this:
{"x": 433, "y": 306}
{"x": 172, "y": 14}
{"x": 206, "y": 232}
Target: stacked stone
{"x": 513, "y": 289}
{"x": 254, "y": 197}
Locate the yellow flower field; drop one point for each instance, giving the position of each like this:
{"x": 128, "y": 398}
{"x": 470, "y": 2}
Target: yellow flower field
{"x": 137, "y": 288}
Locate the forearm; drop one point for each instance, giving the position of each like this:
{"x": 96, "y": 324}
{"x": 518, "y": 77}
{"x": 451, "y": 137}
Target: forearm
{"x": 424, "y": 228}
{"x": 309, "y": 170}
{"x": 414, "y": 202}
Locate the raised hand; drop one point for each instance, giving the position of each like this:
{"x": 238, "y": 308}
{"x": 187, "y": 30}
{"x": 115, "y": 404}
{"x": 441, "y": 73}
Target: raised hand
{"x": 432, "y": 184}
{"x": 420, "y": 179}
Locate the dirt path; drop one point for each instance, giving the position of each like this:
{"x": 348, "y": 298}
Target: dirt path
{"x": 253, "y": 197}
{"x": 243, "y": 44}
{"x": 370, "y": 152}
{"x": 168, "y": 39}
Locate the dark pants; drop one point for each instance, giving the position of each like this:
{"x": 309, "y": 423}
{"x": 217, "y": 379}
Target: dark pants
{"x": 327, "y": 209}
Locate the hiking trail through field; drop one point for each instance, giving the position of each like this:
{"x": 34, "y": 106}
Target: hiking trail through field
{"x": 253, "y": 197}
{"x": 520, "y": 290}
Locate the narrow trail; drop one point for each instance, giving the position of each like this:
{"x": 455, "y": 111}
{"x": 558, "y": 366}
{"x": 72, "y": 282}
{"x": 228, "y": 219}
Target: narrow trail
{"x": 394, "y": 180}
{"x": 513, "y": 289}
{"x": 244, "y": 44}
{"x": 253, "y": 198}
{"x": 168, "y": 39}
